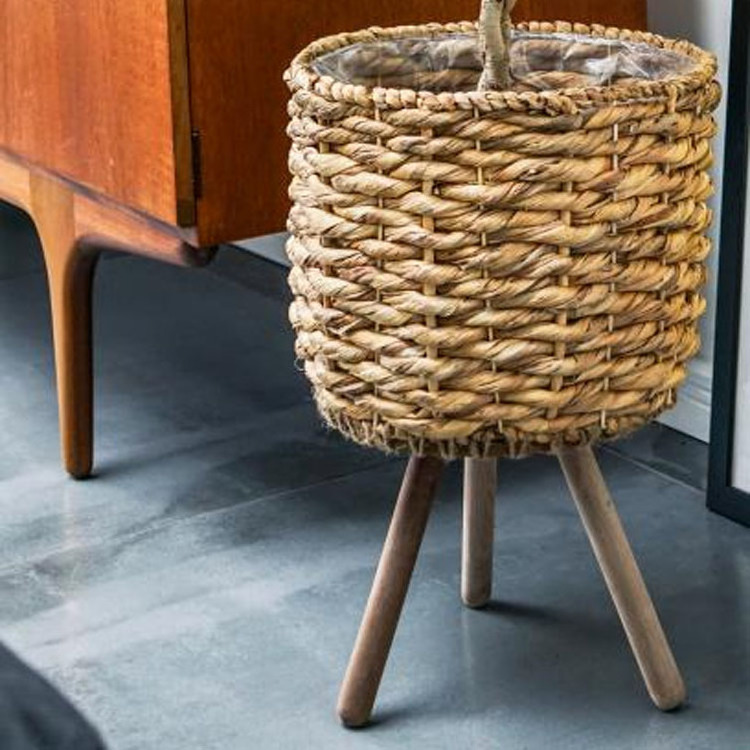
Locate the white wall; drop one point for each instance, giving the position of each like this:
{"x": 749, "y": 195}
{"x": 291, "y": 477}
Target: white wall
{"x": 707, "y": 23}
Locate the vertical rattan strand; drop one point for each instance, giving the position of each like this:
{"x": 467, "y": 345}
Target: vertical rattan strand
{"x": 325, "y": 148}
{"x": 614, "y": 261}
{"x": 562, "y": 317}
{"x": 490, "y": 331}
{"x": 666, "y": 169}
{"x": 379, "y": 266}
{"x": 428, "y": 256}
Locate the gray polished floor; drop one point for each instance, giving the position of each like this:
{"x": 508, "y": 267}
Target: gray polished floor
{"x": 203, "y": 592}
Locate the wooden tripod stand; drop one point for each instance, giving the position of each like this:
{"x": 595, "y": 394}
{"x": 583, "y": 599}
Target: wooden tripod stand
{"x": 605, "y": 532}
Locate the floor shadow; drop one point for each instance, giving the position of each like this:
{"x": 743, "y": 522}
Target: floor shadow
{"x": 521, "y": 611}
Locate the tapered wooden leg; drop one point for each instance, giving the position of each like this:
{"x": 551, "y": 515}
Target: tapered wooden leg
{"x": 388, "y": 591}
{"x": 636, "y": 610}
{"x": 480, "y": 480}
{"x": 70, "y": 273}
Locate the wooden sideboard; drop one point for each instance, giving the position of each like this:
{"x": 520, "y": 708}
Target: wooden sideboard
{"x": 157, "y": 127}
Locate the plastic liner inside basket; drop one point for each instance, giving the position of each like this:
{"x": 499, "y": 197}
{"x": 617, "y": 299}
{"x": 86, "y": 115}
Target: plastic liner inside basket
{"x": 538, "y": 62}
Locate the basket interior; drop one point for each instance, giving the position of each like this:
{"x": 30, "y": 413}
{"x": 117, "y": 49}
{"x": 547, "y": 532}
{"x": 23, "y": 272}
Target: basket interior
{"x": 539, "y": 62}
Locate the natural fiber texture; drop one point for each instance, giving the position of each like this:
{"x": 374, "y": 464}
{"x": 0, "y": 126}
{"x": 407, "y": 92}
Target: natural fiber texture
{"x": 494, "y": 41}
{"x": 482, "y": 273}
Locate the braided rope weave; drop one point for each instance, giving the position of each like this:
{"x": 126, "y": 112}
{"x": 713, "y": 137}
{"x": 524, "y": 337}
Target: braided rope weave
{"x": 487, "y": 273}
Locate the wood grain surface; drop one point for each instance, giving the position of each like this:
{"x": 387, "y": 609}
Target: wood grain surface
{"x": 480, "y": 484}
{"x": 623, "y": 578}
{"x": 86, "y": 93}
{"x": 392, "y": 578}
{"x": 237, "y": 58}
{"x": 114, "y": 97}
{"x": 74, "y": 226}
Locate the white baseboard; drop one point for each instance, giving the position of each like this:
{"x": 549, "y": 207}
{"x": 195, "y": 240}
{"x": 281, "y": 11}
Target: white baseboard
{"x": 269, "y": 246}
{"x": 692, "y": 415}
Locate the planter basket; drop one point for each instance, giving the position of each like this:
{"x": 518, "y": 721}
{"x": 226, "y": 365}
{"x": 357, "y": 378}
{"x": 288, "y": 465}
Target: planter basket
{"x": 482, "y": 272}
{"x": 498, "y": 244}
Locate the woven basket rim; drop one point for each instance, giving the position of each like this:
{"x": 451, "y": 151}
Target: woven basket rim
{"x": 301, "y": 75}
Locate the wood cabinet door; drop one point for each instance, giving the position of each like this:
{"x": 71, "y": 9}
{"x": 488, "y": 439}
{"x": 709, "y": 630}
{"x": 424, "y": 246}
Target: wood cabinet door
{"x": 626, "y": 14}
{"x": 239, "y": 50}
{"x": 95, "y": 91}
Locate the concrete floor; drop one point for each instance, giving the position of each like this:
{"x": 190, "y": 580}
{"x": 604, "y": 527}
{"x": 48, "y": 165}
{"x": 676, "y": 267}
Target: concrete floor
{"x": 203, "y": 592}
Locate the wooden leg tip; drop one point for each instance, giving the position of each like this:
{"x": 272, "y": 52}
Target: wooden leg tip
{"x": 78, "y": 460}
{"x": 79, "y": 472}
{"x": 79, "y": 476}
{"x": 352, "y": 719}
{"x": 475, "y": 601}
{"x": 670, "y": 700}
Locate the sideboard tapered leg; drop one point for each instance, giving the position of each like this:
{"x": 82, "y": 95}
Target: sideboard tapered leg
{"x": 620, "y": 570}
{"x": 388, "y": 592}
{"x": 480, "y": 481}
{"x": 70, "y": 274}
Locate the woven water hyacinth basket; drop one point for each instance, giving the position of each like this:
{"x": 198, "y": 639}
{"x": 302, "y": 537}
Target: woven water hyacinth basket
{"x": 481, "y": 272}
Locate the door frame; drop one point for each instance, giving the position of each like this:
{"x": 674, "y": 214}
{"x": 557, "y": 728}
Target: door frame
{"x": 723, "y": 497}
